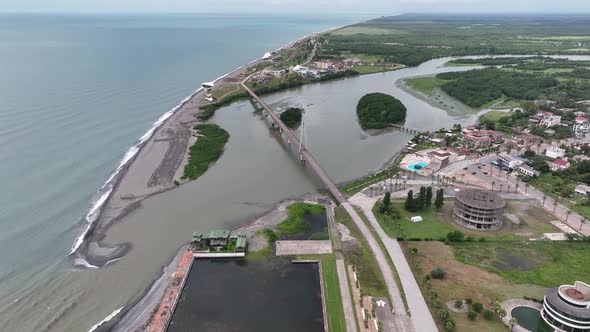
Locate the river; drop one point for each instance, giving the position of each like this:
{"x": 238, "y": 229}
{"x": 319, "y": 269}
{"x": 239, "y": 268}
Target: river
{"x": 253, "y": 174}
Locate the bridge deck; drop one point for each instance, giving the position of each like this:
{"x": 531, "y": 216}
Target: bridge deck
{"x": 304, "y": 152}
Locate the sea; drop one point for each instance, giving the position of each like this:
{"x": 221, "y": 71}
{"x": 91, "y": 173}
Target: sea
{"x": 77, "y": 92}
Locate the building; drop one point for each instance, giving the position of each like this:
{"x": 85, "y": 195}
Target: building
{"x": 582, "y": 190}
{"x": 479, "y": 209}
{"x": 555, "y": 152}
{"x": 581, "y": 126}
{"x": 216, "y": 239}
{"x": 527, "y": 170}
{"x": 481, "y": 138}
{"x": 526, "y": 140}
{"x": 567, "y": 308}
{"x": 559, "y": 165}
{"x": 507, "y": 161}
{"x": 550, "y": 120}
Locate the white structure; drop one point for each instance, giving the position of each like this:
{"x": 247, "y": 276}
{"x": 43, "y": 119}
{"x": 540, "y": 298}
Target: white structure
{"x": 527, "y": 170}
{"x": 509, "y": 161}
{"x": 555, "y": 152}
{"x": 266, "y": 56}
{"x": 550, "y": 121}
{"x": 582, "y": 190}
{"x": 416, "y": 219}
{"x": 567, "y": 308}
{"x": 581, "y": 126}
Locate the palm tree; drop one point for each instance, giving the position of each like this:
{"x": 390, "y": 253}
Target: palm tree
{"x": 567, "y": 214}
{"x": 555, "y": 203}
{"x": 405, "y": 184}
{"x": 493, "y": 183}
{"x": 513, "y": 321}
{"x": 582, "y": 223}
{"x": 544, "y": 197}
{"x": 526, "y": 188}
{"x": 501, "y": 185}
{"x": 454, "y": 179}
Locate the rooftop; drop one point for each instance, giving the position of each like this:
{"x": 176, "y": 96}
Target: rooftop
{"x": 481, "y": 198}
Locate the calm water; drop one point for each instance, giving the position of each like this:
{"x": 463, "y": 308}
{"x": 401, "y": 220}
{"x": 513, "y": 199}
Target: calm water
{"x": 240, "y": 295}
{"x": 76, "y": 92}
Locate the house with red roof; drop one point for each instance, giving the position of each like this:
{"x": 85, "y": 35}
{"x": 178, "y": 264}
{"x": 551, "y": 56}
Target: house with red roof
{"x": 559, "y": 165}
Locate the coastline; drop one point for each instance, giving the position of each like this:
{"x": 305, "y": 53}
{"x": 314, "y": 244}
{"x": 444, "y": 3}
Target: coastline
{"x": 148, "y": 168}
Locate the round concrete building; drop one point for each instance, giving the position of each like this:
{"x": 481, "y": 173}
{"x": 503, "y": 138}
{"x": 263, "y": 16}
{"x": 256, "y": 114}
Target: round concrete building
{"x": 479, "y": 209}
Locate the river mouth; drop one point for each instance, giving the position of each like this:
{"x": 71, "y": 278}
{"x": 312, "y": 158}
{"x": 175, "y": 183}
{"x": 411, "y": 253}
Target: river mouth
{"x": 243, "y": 295}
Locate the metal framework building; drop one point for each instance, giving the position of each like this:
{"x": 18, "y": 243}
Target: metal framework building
{"x": 479, "y": 209}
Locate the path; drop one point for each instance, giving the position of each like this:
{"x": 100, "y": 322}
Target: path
{"x": 345, "y": 294}
{"x": 421, "y": 316}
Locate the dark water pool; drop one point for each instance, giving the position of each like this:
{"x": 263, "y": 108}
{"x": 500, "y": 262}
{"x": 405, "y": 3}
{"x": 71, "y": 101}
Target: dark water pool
{"x": 530, "y": 319}
{"x": 318, "y": 230}
{"x": 241, "y": 295}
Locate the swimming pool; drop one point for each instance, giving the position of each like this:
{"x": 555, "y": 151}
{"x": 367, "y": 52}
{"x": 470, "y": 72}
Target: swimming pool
{"x": 420, "y": 166}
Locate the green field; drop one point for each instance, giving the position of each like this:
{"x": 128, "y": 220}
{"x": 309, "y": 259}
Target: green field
{"x": 206, "y": 150}
{"x": 543, "y": 263}
{"x": 333, "y": 298}
{"x": 534, "y": 221}
{"x": 426, "y": 85}
{"x": 494, "y": 116}
{"x": 295, "y": 222}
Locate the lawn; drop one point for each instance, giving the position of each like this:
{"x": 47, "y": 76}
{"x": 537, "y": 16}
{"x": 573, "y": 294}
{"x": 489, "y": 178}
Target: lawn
{"x": 426, "y": 85}
{"x": 533, "y": 222}
{"x": 465, "y": 281}
{"x": 370, "y": 276}
{"x": 295, "y": 222}
{"x": 494, "y": 116}
{"x": 542, "y": 263}
{"x": 333, "y": 299}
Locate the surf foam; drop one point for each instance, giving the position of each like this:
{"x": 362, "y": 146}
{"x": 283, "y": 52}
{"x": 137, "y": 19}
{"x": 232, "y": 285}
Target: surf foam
{"x": 107, "y": 318}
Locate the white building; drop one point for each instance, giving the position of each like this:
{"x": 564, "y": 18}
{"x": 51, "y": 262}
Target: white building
{"x": 555, "y": 152}
{"x": 527, "y": 170}
{"x": 509, "y": 161}
{"x": 550, "y": 121}
{"x": 582, "y": 190}
{"x": 581, "y": 126}
{"x": 567, "y": 308}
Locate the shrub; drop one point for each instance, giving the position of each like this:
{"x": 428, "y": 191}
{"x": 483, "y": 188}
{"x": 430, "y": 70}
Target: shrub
{"x": 443, "y": 314}
{"x": 458, "y": 304}
{"x": 477, "y": 307}
{"x": 472, "y": 315}
{"x": 449, "y": 325}
{"x": 488, "y": 314}
{"x": 469, "y": 301}
{"x": 455, "y": 236}
{"x": 438, "y": 273}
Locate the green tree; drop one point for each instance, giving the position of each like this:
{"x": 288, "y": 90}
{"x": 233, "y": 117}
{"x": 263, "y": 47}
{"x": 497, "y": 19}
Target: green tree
{"x": 477, "y": 307}
{"x": 439, "y": 200}
{"x": 472, "y": 315}
{"x": 438, "y": 273}
{"x": 428, "y": 201}
{"x": 488, "y": 314}
{"x": 409, "y": 204}
{"x": 443, "y": 314}
{"x": 449, "y": 325}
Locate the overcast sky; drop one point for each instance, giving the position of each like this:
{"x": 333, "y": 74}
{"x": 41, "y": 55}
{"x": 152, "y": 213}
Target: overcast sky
{"x": 380, "y": 7}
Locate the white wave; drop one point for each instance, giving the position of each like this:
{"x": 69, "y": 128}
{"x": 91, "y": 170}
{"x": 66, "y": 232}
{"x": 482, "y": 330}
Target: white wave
{"x": 79, "y": 261}
{"x": 107, "y": 318}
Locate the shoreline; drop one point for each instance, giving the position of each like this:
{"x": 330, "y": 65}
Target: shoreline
{"x": 121, "y": 194}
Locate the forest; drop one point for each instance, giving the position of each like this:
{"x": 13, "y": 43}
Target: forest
{"x": 379, "y": 110}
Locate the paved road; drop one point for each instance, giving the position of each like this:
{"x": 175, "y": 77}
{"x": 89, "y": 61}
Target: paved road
{"x": 402, "y": 320}
{"x": 345, "y": 293}
{"x": 421, "y": 316}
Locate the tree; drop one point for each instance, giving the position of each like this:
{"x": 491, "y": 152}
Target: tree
{"x": 438, "y": 273}
{"x": 443, "y": 314}
{"x": 458, "y": 304}
{"x": 501, "y": 312}
{"x": 472, "y": 315}
{"x": 455, "y": 236}
{"x": 428, "y": 201}
{"x": 582, "y": 223}
{"x": 477, "y": 307}
{"x": 439, "y": 200}
{"x": 449, "y": 325}
{"x": 409, "y": 204}
{"x": 385, "y": 207}
{"x": 421, "y": 201}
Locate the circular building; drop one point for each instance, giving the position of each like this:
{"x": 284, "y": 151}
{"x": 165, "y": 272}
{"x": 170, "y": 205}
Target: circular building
{"x": 567, "y": 308}
{"x": 479, "y": 209}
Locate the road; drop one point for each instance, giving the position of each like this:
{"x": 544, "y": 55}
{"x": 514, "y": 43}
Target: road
{"x": 421, "y": 317}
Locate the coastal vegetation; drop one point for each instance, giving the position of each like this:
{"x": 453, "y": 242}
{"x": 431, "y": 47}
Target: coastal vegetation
{"x": 295, "y": 222}
{"x": 333, "y": 298}
{"x": 206, "y": 150}
{"x": 426, "y": 85}
{"x": 292, "y": 116}
{"x": 379, "y": 110}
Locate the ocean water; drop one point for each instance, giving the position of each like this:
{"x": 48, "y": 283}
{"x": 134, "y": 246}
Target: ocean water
{"x": 76, "y": 92}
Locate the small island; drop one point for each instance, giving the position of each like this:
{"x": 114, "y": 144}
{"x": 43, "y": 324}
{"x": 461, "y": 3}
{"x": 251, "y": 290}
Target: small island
{"x": 379, "y": 110}
{"x": 292, "y": 117}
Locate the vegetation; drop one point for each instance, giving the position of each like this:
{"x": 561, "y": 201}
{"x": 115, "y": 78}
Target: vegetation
{"x": 539, "y": 263}
{"x": 333, "y": 299}
{"x": 423, "y": 201}
{"x": 207, "y": 149}
{"x": 426, "y": 85}
{"x": 292, "y": 116}
{"x": 295, "y": 222}
{"x": 379, "y": 110}
{"x": 439, "y": 201}
{"x": 438, "y": 273}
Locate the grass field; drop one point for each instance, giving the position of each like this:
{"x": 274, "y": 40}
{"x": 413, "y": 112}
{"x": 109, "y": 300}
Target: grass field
{"x": 370, "y": 276}
{"x": 542, "y": 263}
{"x": 494, "y": 115}
{"x": 465, "y": 281}
{"x": 334, "y": 309}
{"x": 534, "y": 221}
{"x": 425, "y": 85}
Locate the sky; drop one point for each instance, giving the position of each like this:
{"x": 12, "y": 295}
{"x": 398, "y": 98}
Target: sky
{"x": 375, "y": 7}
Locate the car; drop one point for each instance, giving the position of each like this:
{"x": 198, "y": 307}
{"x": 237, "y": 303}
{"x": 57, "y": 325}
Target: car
{"x": 479, "y": 167}
{"x": 473, "y": 173}
{"x": 485, "y": 173}
{"x": 465, "y": 168}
